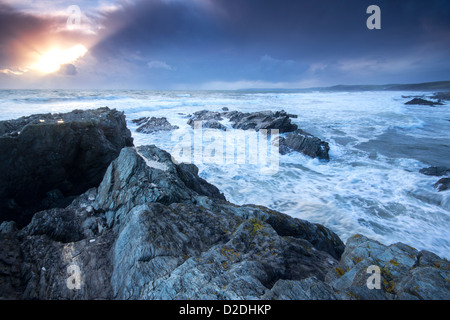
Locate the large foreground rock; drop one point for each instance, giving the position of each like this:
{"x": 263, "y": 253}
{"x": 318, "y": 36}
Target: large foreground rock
{"x": 156, "y": 230}
{"x": 48, "y": 159}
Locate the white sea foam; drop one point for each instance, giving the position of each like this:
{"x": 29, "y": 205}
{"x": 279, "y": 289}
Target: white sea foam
{"x": 371, "y": 184}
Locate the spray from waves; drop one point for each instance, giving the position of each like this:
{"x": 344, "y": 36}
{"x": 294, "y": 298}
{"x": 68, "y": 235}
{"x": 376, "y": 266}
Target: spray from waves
{"x": 361, "y": 190}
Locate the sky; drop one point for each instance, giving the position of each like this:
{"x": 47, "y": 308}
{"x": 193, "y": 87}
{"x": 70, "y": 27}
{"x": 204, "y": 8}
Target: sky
{"x": 220, "y": 44}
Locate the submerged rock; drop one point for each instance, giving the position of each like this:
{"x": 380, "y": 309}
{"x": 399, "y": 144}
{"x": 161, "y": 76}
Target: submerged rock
{"x": 423, "y": 102}
{"x": 48, "y": 159}
{"x": 435, "y": 171}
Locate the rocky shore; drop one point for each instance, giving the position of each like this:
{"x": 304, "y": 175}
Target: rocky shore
{"x": 149, "y": 228}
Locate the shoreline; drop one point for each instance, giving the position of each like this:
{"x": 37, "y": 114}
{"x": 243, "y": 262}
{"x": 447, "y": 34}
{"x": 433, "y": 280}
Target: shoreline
{"x": 150, "y": 216}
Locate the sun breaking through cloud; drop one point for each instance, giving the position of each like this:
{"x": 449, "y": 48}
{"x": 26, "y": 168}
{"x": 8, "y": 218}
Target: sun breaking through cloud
{"x": 52, "y": 60}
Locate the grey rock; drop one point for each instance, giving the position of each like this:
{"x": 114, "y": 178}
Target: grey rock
{"x": 306, "y": 289}
{"x": 305, "y": 143}
{"x": 423, "y": 102}
{"x": 10, "y": 267}
{"x": 150, "y": 125}
{"x": 406, "y": 273}
{"x": 209, "y": 119}
{"x": 435, "y": 171}
{"x": 261, "y": 120}
{"x": 295, "y": 140}
{"x": 147, "y": 174}
{"x": 8, "y": 227}
{"x": 63, "y": 155}
{"x": 442, "y": 184}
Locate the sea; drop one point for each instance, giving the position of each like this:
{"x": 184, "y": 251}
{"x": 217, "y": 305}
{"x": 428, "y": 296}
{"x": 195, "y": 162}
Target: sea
{"x": 370, "y": 186}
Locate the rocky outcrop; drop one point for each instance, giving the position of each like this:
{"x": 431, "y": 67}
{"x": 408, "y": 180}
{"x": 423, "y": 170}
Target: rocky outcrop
{"x": 279, "y": 120}
{"x": 295, "y": 139}
{"x": 422, "y": 102}
{"x": 405, "y": 272}
{"x": 435, "y": 171}
{"x": 48, "y": 159}
{"x": 154, "y": 229}
{"x": 441, "y": 96}
{"x": 305, "y": 143}
{"x": 150, "y": 125}
{"x": 442, "y": 184}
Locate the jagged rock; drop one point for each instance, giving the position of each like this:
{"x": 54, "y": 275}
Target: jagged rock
{"x": 8, "y": 227}
{"x": 205, "y": 252}
{"x": 261, "y": 120}
{"x": 406, "y": 273}
{"x": 209, "y": 119}
{"x": 245, "y": 121}
{"x": 305, "y": 143}
{"x": 182, "y": 241}
{"x": 435, "y": 171}
{"x": 62, "y": 155}
{"x": 150, "y": 125}
{"x": 154, "y": 229}
{"x": 147, "y": 174}
{"x": 295, "y": 140}
{"x": 442, "y": 184}
{"x": 423, "y": 102}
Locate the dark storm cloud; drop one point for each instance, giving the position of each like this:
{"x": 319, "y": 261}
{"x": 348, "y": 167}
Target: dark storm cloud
{"x": 68, "y": 70}
{"x": 16, "y": 32}
{"x": 228, "y": 39}
{"x": 166, "y": 42}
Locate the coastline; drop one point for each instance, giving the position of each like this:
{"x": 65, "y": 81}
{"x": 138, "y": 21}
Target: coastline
{"x": 154, "y": 229}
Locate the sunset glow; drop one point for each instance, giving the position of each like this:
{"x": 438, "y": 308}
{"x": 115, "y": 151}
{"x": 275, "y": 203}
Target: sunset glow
{"x": 52, "y": 60}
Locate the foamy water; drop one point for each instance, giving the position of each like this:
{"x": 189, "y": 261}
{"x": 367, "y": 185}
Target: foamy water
{"x": 371, "y": 184}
